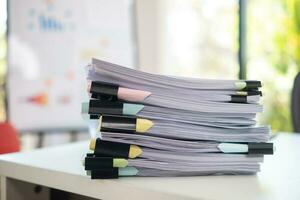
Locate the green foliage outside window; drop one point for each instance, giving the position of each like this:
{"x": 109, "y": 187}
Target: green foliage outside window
{"x": 2, "y": 69}
{"x": 287, "y": 59}
{"x": 275, "y": 56}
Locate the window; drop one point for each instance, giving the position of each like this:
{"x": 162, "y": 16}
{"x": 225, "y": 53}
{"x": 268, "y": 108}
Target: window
{"x": 3, "y": 17}
{"x": 273, "y": 56}
{"x": 199, "y": 38}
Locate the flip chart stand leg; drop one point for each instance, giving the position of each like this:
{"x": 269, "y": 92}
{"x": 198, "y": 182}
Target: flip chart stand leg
{"x": 73, "y": 136}
{"x": 41, "y": 137}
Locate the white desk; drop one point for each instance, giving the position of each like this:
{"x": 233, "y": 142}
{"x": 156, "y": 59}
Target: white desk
{"x": 60, "y": 168}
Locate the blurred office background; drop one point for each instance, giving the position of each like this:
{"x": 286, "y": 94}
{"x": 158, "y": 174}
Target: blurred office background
{"x": 257, "y": 39}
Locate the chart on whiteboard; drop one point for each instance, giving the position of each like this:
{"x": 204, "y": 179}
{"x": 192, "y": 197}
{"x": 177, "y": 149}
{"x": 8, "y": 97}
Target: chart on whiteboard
{"x": 49, "y": 44}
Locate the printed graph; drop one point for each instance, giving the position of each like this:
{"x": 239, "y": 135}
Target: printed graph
{"x": 50, "y": 24}
{"x": 48, "y": 19}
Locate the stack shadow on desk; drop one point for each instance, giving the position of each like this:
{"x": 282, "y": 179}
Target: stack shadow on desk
{"x": 156, "y": 125}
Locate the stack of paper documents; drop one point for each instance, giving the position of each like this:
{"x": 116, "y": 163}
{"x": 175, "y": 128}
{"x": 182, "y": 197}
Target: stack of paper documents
{"x": 155, "y": 125}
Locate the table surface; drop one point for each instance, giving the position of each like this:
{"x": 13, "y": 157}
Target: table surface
{"x": 60, "y": 167}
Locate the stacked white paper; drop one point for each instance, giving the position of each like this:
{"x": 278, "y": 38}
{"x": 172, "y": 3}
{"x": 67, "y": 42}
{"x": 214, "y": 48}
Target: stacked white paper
{"x": 198, "y": 126}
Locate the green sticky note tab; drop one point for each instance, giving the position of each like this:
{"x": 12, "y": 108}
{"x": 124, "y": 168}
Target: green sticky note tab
{"x": 85, "y": 111}
{"x": 128, "y": 171}
{"x": 233, "y": 148}
{"x": 132, "y": 109}
{"x": 120, "y": 162}
{"x": 242, "y": 93}
{"x": 84, "y": 108}
{"x": 239, "y": 85}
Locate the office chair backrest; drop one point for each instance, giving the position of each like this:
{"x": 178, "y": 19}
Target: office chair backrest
{"x": 296, "y": 104}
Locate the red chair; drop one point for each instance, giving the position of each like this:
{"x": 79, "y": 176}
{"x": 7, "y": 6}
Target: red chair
{"x": 9, "y": 138}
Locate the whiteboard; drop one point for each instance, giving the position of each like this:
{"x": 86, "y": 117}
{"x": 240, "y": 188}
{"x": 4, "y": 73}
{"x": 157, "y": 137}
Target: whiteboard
{"x": 49, "y": 44}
